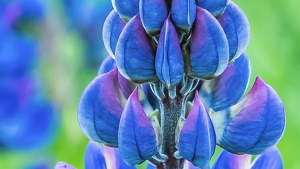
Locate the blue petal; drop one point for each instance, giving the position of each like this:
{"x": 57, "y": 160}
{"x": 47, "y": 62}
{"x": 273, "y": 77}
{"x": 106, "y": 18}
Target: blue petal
{"x": 107, "y": 65}
{"x": 209, "y": 47}
{"x": 228, "y": 88}
{"x": 94, "y": 158}
{"x": 183, "y": 13}
{"x": 197, "y": 138}
{"x": 137, "y": 140}
{"x": 153, "y": 14}
{"x": 126, "y": 8}
{"x": 228, "y": 160}
{"x": 101, "y": 100}
{"x": 237, "y": 29}
{"x": 134, "y": 54}
{"x": 63, "y": 165}
{"x": 153, "y": 100}
{"x": 114, "y": 160}
{"x": 169, "y": 59}
{"x": 254, "y": 124}
{"x": 269, "y": 159}
{"x": 215, "y": 7}
{"x": 112, "y": 29}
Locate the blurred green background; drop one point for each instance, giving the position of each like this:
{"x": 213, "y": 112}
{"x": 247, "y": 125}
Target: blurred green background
{"x": 274, "y": 52}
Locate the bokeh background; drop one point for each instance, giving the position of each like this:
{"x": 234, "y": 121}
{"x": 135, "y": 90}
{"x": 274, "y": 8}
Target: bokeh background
{"x": 70, "y": 51}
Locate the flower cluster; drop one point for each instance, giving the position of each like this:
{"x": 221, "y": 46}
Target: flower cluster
{"x": 172, "y": 87}
{"x": 27, "y": 119}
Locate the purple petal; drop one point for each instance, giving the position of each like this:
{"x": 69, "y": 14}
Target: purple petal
{"x": 254, "y": 124}
{"x": 107, "y": 65}
{"x": 183, "y": 13}
{"x": 209, "y": 47}
{"x": 114, "y": 160}
{"x": 101, "y": 100}
{"x": 63, "y": 165}
{"x": 269, "y": 159}
{"x": 237, "y": 29}
{"x": 228, "y": 160}
{"x": 169, "y": 59}
{"x": 126, "y": 8}
{"x": 134, "y": 54}
{"x": 112, "y": 29}
{"x": 197, "y": 138}
{"x": 137, "y": 140}
{"x": 94, "y": 158}
{"x": 215, "y": 7}
{"x": 153, "y": 14}
{"x": 228, "y": 88}
{"x": 126, "y": 86}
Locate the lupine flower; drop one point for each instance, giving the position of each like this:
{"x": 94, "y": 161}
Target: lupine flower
{"x": 87, "y": 17}
{"x": 28, "y": 119}
{"x": 97, "y": 157}
{"x": 188, "y": 65}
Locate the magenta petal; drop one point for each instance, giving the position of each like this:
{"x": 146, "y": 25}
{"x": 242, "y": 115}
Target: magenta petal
{"x": 209, "y": 51}
{"x": 254, "y": 124}
{"x": 197, "y": 138}
{"x": 101, "y": 100}
{"x": 137, "y": 140}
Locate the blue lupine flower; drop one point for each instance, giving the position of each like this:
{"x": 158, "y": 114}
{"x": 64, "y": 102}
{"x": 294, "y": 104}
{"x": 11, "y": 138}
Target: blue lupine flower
{"x": 87, "y": 17}
{"x": 97, "y": 157}
{"x": 18, "y": 14}
{"x": 27, "y": 122}
{"x": 190, "y": 72}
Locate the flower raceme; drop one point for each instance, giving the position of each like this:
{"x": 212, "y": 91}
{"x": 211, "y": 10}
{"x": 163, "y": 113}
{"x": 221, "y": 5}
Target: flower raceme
{"x": 172, "y": 88}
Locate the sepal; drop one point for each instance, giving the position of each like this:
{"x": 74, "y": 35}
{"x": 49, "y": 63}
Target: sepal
{"x": 112, "y": 29}
{"x": 137, "y": 140}
{"x": 197, "y": 138}
{"x": 228, "y": 88}
{"x": 169, "y": 59}
{"x": 254, "y": 124}
{"x": 209, "y": 50}
{"x": 237, "y": 29}
{"x": 134, "y": 54}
